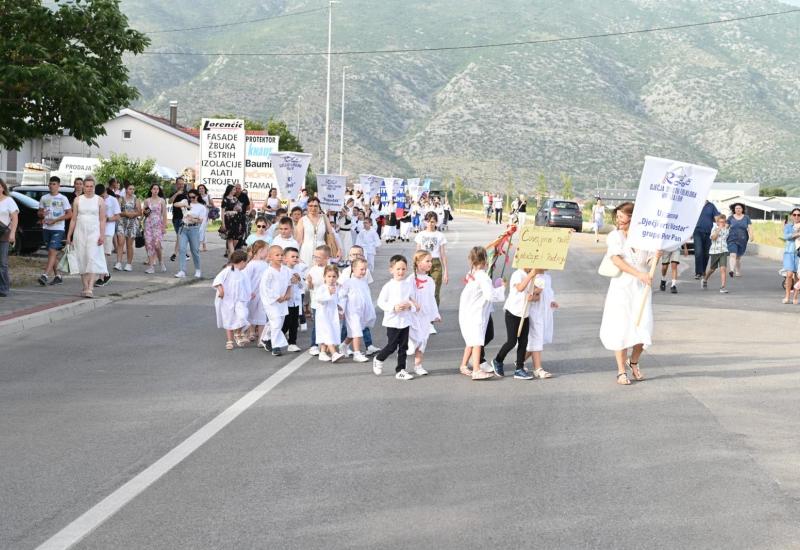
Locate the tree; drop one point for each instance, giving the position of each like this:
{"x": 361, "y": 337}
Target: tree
{"x": 139, "y": 172}
{"x": 772, "y": 192}
{"x": 61, "y": 67}
{"x": 541, "y": 190}
{"x": 458, "y": 190}
{"x": 567, "y": 191}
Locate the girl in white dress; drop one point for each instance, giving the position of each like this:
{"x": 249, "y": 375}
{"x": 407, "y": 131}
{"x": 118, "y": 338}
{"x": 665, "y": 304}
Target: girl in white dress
{"x": 87, "y": 235}
{"x": 474, "y": 309}
{"x": 428, "y": 312}
{"x": 359, "y": 311}
{"x": 326, "y": 315}
{"x": 233, "y": 295}
{"x": 256, "y": 315}
{"x": 540, "y": 316}
{"x": 618, "y": 330}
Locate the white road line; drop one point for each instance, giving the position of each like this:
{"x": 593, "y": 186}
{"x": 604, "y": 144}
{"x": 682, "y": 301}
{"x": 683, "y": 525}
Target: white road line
{"x": 100, "y": 512}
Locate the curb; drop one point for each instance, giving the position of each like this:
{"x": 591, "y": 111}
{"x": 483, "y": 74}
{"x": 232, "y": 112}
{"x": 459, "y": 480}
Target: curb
{"x": 60, "y": 312}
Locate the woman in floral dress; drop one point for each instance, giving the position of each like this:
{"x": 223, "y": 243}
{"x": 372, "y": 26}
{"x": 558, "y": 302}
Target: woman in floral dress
{"x": 155, "y": 227}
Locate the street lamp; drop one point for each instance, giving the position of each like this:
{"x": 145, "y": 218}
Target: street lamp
{"x": 328, "y": 84}
{"x": 299, "y": 100}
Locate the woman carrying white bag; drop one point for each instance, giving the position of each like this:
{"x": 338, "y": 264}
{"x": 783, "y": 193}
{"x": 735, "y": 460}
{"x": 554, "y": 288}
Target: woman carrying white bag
{"x": 627, "y": 298}
{"x": 87, "y": 235}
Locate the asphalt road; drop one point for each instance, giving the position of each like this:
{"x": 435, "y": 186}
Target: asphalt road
{"x": 704, "y": 454}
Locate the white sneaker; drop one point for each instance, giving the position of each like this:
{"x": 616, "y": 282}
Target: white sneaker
{"x": 313, "y": 350}
{"x": 343, "y": 350}
{"x": 303, "y": 327}
{"x": 128, "y": 267}
{"x": 163, "y": 268}
{"x": 118, "y": 266}
{"x": 359, "y": 357}
{"x": 180, "y": 275}
{"x": 293, "y": 348}
{"x": 377, "y": 367}
{"x": 335, "y": 357}
{"x": 324, "y": 356}
{"x": 486, "y": 367}
{"x": 372, "y": 350}
{"x": 419, "y": 371}
{"x": 433, "y": 330}
{"x": 198, "y": 275}
{"x": 150, "y": 270}
{"x": 404, "y": 375}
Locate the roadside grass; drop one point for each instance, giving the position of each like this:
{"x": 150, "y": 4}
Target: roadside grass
{"x": 768, "y": 233}
{"x": 24, "y": 270}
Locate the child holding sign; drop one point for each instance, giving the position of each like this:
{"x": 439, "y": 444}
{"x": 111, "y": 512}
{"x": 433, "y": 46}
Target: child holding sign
{"x": 540, "y": 327}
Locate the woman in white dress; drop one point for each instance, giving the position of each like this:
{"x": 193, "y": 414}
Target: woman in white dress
{"x": 598, "y": 214}
{"x": 311, "y": 230}
{"x": 87, "y": 235}
{"x": 618, "y": 330}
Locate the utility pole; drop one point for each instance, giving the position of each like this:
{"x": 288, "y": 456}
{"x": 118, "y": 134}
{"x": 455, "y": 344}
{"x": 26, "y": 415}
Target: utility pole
{"x": 299, "y": 100}
{"x": 328, "y": 84}
{"x": 341, "y": 143}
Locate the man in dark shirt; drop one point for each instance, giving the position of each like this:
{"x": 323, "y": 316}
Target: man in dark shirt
{"x": 702, "y": 238}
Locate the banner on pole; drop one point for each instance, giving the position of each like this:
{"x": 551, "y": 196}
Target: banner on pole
{"x": 290, "y": 171}
{"x": 391, "y": 185}
{"x": 330, "y": 190}
{"x": 369, "y": 185}
{"x": 542, "y": 247}
{"x": 414, "y": 188}
{"x": 670, "y": 197}
{"x": 259, "y": 177}
{"x": 222, "y": 154}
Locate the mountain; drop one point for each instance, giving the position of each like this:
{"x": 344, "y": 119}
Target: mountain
{"x": 724, "y": 95}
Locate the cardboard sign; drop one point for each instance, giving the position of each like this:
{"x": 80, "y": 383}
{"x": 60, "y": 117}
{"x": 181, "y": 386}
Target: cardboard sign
{"x": 670, "y": 197}
{"x": 542, "y": 247}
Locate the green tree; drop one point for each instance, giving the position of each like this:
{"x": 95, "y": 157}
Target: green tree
{"x": 541, "y": 190}
{"x": 458, "y": 190}
{"x": 138, "y": 172}
{"x": 567, "y": 190}
{"x": 772, "y": 192}
{"x": 61, "y": 67}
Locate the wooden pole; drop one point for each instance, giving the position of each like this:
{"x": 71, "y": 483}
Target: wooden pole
{"x": 648, "y": 290}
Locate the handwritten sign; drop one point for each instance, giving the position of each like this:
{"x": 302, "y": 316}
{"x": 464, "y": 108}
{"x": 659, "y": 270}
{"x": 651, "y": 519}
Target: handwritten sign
{"x": 542, "y": 247}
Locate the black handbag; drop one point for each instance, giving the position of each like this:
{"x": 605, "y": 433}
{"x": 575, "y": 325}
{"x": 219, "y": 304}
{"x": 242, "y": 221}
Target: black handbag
{"x": 139, "y": 240}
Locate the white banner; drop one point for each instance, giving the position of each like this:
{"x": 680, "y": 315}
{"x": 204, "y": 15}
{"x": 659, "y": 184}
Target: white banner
{"x": 259, "y": 177}
{"x": 222, "y": 151}
{"x": 392, "y": 185}
{"x": 290, "y": 171}
{"x": 369, "y": 185}
{"x": 414, "y": 189}
{"x": 670, "y": 197}
{"x": 330, "y": 191}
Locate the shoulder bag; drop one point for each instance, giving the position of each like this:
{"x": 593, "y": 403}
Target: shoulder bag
{"x": 608, "y": 269}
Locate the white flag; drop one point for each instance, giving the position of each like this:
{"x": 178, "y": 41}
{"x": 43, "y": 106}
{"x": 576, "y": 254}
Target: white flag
{"x": 413, "y": 189}
{"x": 290, "y": 171}
{"x": 670, "y": 197}
{"x": 330, "y": 190}
{"x": 370, "y": 185}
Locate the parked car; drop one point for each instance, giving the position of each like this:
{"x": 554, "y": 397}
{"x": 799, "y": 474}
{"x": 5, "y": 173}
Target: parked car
{"x": 29, "y": 228}
{"x": 560, "y": 213}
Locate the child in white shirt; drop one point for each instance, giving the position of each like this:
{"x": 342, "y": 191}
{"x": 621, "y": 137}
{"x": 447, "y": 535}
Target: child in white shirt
{"x": 428, "y": 312}
{"x": 285, "y": 237}
{"x": 540, "y": 328}
{"x": 233, "y": 294}
{"x": 434, "y": 241}
{"x": 356, "y": 252}
{"x": 516, "y": 309}
{"x": 297, "y": 269}
{"x": 315, "y": 278}
{"x": 256, "y": 315}
{"x": 397, "y": 302}
{"x": 474, "y": 309}
{"x": 276, "y": 291}
{"x": 369, "y": 241}
{"x": 359, "y": 311}
{"x": 327, "y": 315}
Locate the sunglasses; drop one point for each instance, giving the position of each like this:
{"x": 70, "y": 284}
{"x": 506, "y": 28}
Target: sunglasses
{"x": 795, "y": 214}
{"x": 261, "y": 227}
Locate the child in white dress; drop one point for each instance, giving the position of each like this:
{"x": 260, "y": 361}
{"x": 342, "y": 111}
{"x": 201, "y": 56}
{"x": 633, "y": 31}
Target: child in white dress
{"x": 369, "y": 241}
{"x": 540, "y": 316}
{"x": 327, "y": 315}
{"x": 276, "y": 291}
{"x": 474, "y": 309}
{"x": 256, "y": 315}
{"x": 359, "y": 311}
{"x": 233, "y": 295}
{"x": 428, "y": 312}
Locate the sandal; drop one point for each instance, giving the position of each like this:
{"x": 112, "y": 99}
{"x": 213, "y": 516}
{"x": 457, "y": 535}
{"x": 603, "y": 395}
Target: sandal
{"x": 635, "y": 372}
{"x": 251, "y": 338}
{"x": 229, "y": 345}
{"x": 465, "y": 370}
{"x": 541, "y": 374}
{"x": 785, "y": 301}
{"x": 241, "y": 341}
{"x": 623, "y": 381}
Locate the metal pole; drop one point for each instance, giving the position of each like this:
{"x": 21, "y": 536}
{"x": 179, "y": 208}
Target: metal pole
{"x": 328, "y": 85}
{"x": 341, "y": 143}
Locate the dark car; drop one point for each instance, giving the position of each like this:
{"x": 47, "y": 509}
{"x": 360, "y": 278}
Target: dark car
{"x": 29, "y": 228}
{"x": 560, "y": 213}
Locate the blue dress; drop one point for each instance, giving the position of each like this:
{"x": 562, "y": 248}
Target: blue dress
{"x": 738, "y": 236}
{"x": 789, "y": 252}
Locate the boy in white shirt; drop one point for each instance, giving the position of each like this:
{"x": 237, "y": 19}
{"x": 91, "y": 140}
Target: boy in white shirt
{"x": 291, "y": 259}
{"x": 434, "y": 241}
{"x": 357, "y": 253}
{"x": 369, "y": 241}
{"x": 285, "y": 236}
{"x": 54, "y": 209}
{"x": 315, "y": 277}
{"x": 396, "y": 301}
{"x": 276, "y": 291}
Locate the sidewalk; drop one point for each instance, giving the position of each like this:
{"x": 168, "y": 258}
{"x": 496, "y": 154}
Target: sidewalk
{"x": 34, "y": 305}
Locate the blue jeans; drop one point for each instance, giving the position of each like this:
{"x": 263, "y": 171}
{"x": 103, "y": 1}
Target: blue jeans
{"x": 189, "y": 235}
{"x": 366, "y": 334}
{"x": 702, "y": 244}
{"x": 5, "y": 281}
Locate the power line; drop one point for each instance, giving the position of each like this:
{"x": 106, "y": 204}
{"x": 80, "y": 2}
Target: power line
{"x": 241, "y": 22}
{"x": 482, "y": 46}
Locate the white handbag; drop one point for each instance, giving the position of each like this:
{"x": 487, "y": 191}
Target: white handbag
{"x": 608, "y": 269}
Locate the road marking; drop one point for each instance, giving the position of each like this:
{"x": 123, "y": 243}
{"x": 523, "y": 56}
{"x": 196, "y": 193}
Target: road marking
{"x": 100, "y": 512}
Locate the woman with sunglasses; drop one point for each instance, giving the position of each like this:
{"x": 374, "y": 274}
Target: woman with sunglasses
{"x": 261, "y": 233}
{"x": 194, "y": 214}
{"x": 311, "y": 231}
{"x": 209, "y": 202}
{"x": 619, "y": 331}
{"x": 791, "y": 231}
